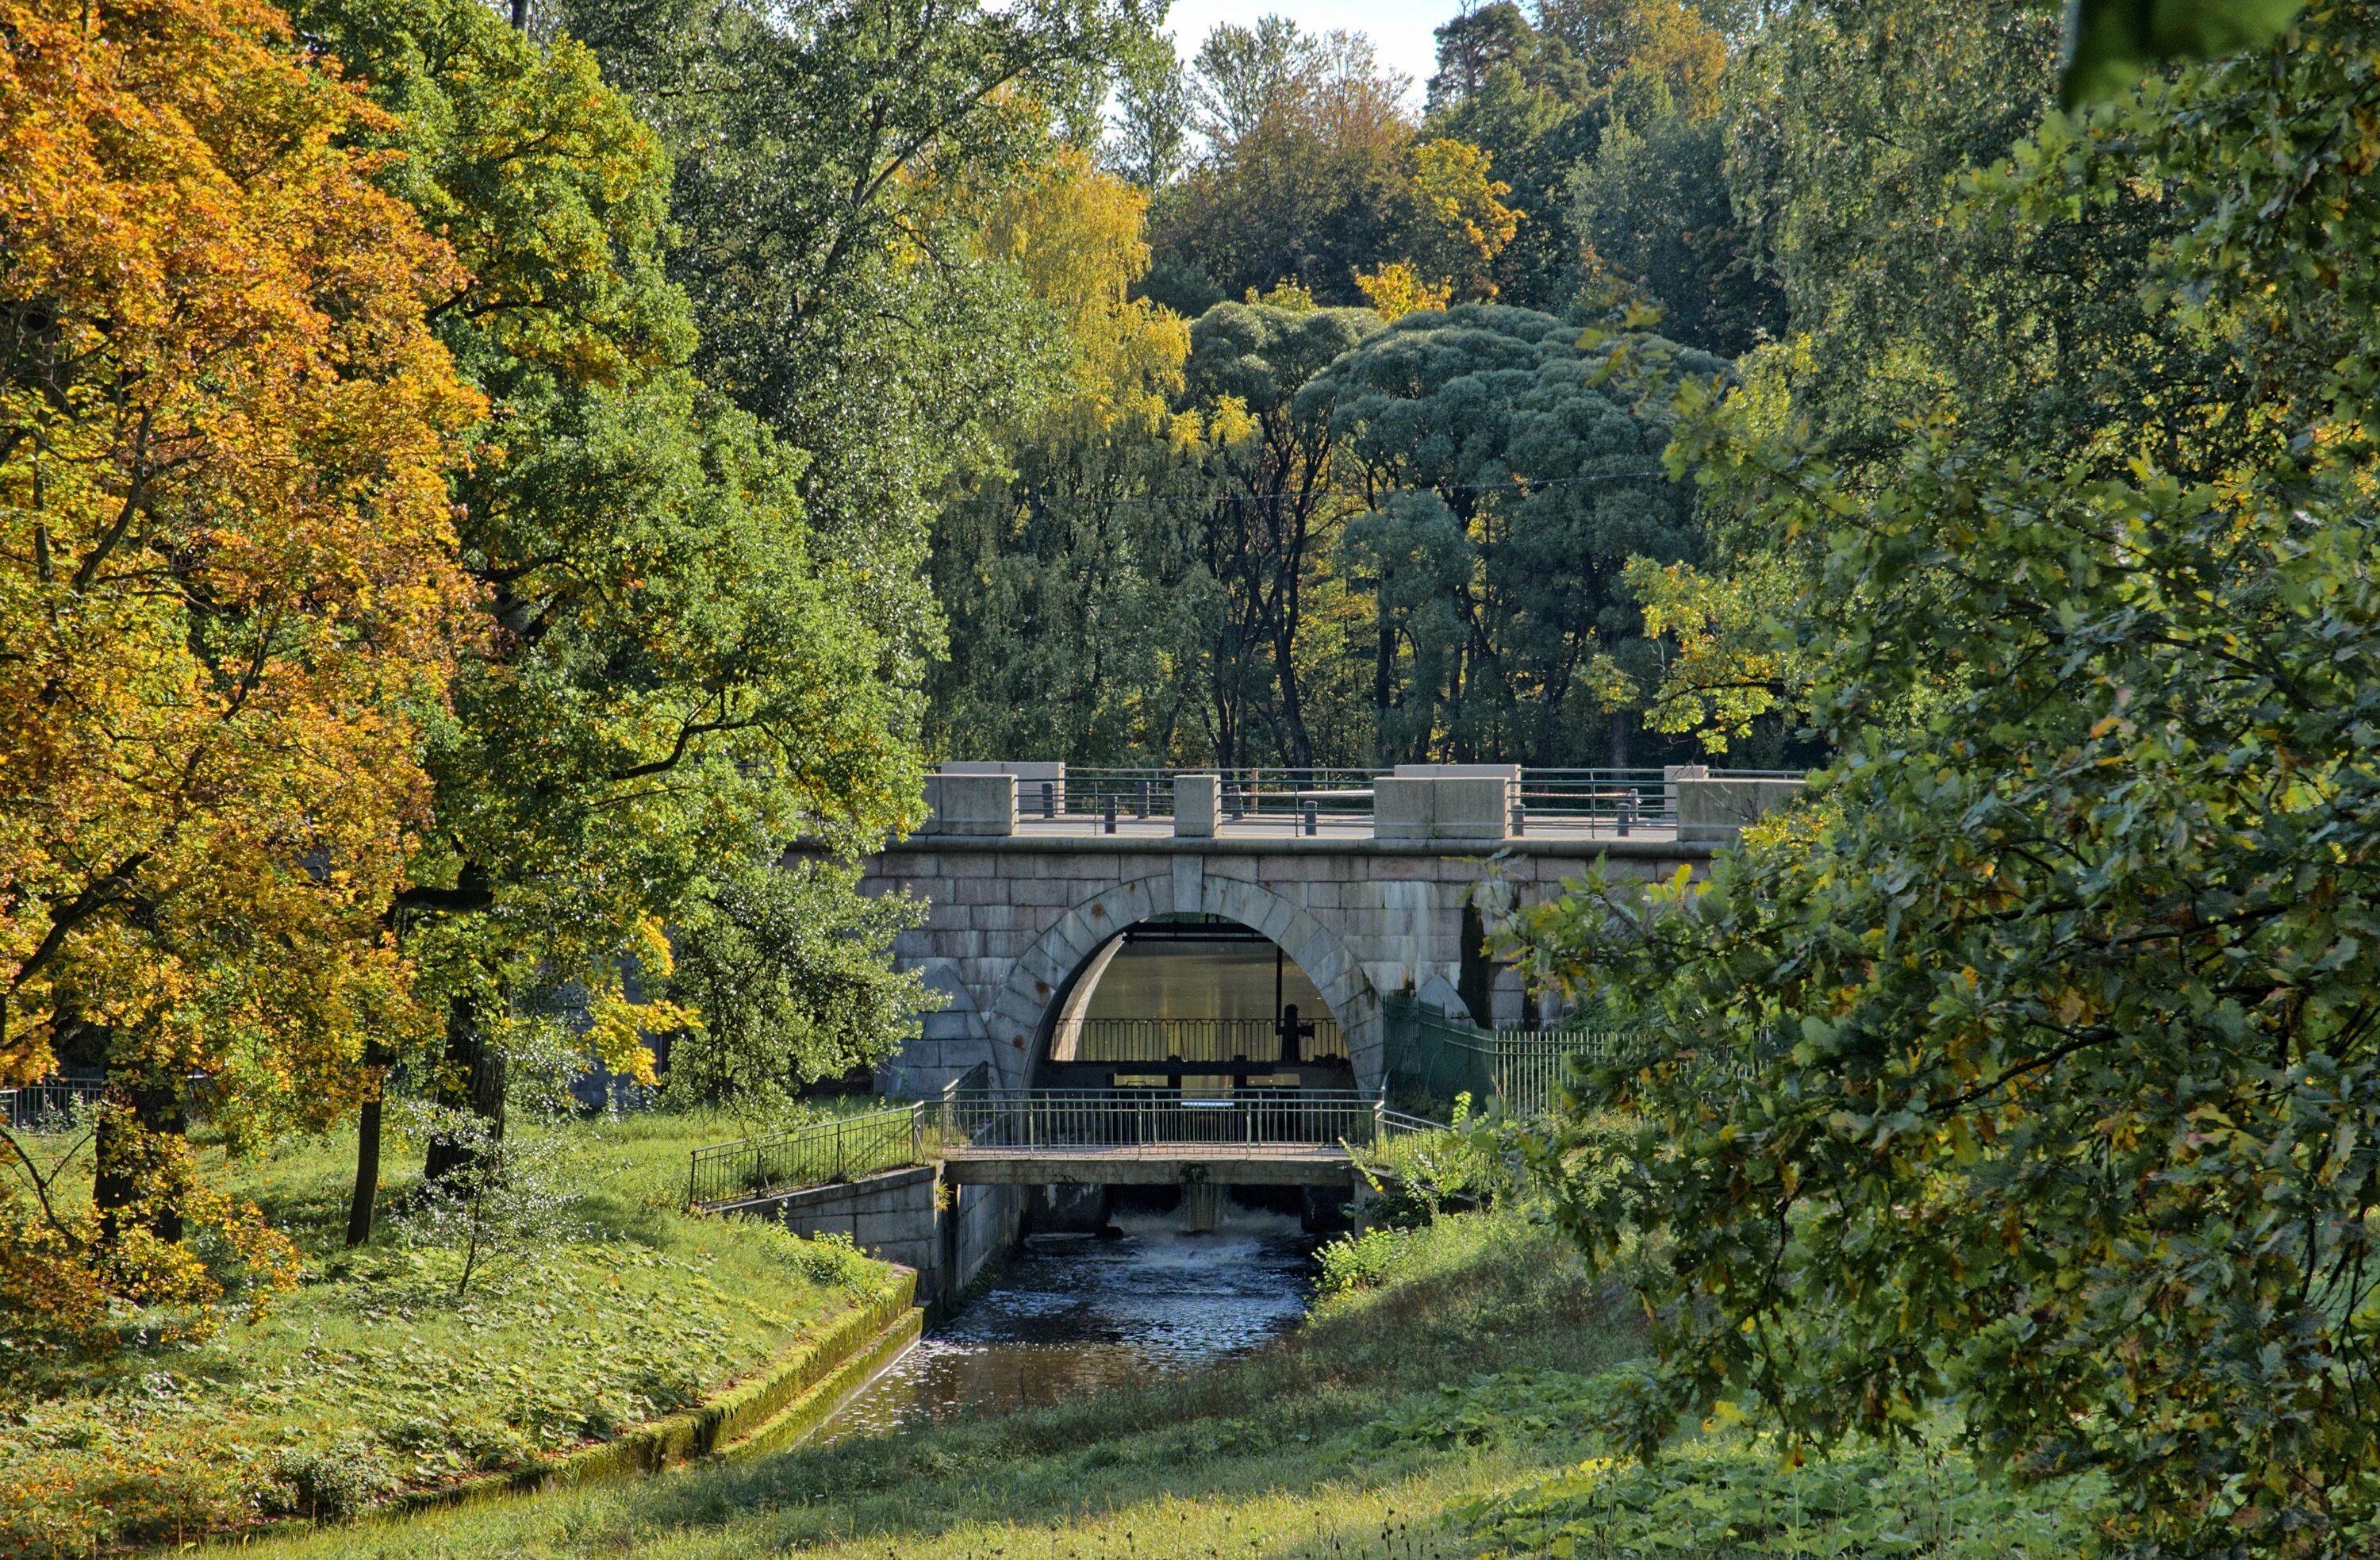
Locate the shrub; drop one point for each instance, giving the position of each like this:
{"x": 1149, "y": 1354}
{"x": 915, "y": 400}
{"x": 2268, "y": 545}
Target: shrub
{"x": 831, "y": 1261}
{"x": 1359, "y": 1261}
{"x": 331, "y": 1483}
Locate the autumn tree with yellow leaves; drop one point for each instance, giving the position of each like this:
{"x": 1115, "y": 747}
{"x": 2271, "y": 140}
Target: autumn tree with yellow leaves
{"x": 227, "y": 597}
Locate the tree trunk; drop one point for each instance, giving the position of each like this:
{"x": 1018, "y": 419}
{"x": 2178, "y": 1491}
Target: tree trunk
{"x": 472, "y": 1079}
{"x": 1292, "y": 706}
{"x": 128, "y": 1164}
{"x": 1619, "y": 738}
{"x": 359, "y": 1206}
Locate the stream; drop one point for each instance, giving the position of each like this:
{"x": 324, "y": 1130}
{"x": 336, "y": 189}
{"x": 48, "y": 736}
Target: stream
{"x": 1070, "y": 1315}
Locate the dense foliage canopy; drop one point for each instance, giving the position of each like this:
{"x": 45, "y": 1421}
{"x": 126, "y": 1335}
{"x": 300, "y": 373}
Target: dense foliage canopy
{"x": 2030, "y": 1069}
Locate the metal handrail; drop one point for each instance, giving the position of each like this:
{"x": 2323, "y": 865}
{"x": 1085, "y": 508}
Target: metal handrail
{"x": 1302, "y": 799}
{"x": 1109, "y": 1119}
{"x": 815, "y": 1155}
{"x": 969, "y": 1115}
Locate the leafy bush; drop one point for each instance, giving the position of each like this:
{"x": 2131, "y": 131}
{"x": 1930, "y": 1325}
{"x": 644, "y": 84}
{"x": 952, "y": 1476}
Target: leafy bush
{"x": 331, "y": 1483}
{"x": 833, "y": 1260}
{"x": 1358, "y": 1261}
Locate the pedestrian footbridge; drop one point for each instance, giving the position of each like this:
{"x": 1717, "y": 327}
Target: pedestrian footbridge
{"x": 979, "y": 1136}
{"x": 941, "y": 1185}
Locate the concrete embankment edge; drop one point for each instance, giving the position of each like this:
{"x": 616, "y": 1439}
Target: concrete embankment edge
{"x": 769, "y": 1412}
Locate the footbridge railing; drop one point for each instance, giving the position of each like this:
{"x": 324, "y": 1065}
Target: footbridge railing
{"x": 1125, "y": 1118}
{"x": 970, "y": 1116}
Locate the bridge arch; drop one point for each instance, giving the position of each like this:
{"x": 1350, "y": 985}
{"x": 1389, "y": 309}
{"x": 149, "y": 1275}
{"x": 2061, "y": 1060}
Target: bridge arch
{"x": 1021, "y": 1016}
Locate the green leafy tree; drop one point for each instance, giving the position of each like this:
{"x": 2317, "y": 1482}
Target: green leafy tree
{"x": 674, "y": 677}
{"x": 832, "y": 164}
{"x": 1850, "y": 128}
{"x": 1073, "y": 598}
{"x": 1267, "y": 512}
{"x": 792, "y": 970}
{"x": 1524, "y": 99}
{"x": 2031, "y": 1069}
{"x": 1307, "y": 144}
{"x": 1654, "y": 210}
{"x": 1518, "y": 472}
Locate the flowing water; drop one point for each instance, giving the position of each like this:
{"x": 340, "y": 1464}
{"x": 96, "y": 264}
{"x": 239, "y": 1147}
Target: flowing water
{"x": 1076, "y": 1314}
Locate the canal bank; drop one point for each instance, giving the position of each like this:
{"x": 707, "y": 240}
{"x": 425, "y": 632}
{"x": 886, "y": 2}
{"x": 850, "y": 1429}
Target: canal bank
{"x": 1281, "y": 1444}
{"x": 1440, "y": 1408}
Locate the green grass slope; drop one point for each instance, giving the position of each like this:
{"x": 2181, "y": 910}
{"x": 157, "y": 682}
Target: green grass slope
{"x": 373, "y": 1381}
{"x": 1439, "y": 1405}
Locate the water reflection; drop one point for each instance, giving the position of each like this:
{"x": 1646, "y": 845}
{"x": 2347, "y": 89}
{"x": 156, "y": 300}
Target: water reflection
{"x": 1075, "y": 1314}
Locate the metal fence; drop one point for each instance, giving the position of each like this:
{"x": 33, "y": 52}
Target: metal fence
{"x": 1199, "y": 1040}
{"x": 1434, "y": 1056}
{"x": 806, "y": 1156}
{"x": 51, "y": 1104}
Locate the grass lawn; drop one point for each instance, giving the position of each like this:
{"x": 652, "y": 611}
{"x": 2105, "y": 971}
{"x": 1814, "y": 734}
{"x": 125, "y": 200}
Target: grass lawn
{"x": 374, "y": 1378}
{"x": 1440, "y": 1409}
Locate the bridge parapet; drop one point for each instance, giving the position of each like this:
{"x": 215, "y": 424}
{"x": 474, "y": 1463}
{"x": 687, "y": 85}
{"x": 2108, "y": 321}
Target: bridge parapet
{"x": 1415, "y": 802}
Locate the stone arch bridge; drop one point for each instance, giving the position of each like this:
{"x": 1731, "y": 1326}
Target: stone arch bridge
{"x": 1032, "y": 876}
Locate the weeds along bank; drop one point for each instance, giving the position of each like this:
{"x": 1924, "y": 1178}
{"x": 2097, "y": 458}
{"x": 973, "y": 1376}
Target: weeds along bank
{"x": 1441, "y": 1403}
{"x": 375, "y": 1380}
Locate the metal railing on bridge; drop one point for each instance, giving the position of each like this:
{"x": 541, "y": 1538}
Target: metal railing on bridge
{"x": 969, "y": 1115}
{"x": 1597, "y": 798}
{"x": 1196, "y": 1040}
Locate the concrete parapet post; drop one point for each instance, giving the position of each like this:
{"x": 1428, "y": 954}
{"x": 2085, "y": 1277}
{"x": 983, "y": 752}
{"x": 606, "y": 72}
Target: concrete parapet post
{"x": 1435, "y": 807}
{"x": 1714, "y": 811}
{"x": 1197, "y": 804}
{"x": 1473, "y": 807}
{"x": 1041, "y": 783}
{"x": 1402, "y": 808}
{"x": 1673, "y": 773}
{"x": 970, "y": 804}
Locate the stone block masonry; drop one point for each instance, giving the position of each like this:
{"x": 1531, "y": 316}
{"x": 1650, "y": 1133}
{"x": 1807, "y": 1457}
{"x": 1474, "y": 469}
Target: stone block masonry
{"x": 1014, "y": 923}
{"x": 946, "y": 1233}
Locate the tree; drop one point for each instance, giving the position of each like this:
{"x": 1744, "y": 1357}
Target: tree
{"x": 1454, "y": 221}
{"x": 1516, "y": 473}
{"x": 1150, "y": 144}
{"x": 2032, "y": 1070}
{"x": 1850, "y": 129}
{"x": 225, "y": 570}
{"x": 677, "y": 680}
{"x": 1071, "y": 594}
{"x": 1538, "y": 101}
{"x": 1268, "y": 509}
{"x": 1654, "y": 208}
{"x": 1305, "y": 170}
{"x": 834, "y": 163}
{"x": 791, "y": 968}
{"x": 1664, "y": 37}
